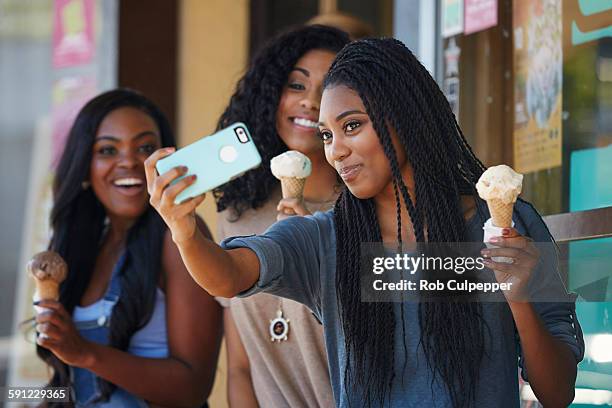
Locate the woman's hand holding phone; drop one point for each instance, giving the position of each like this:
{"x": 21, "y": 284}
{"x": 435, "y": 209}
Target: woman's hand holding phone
{"x": 181, "y": 218}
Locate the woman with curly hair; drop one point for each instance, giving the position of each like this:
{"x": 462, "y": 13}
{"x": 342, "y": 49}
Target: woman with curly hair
{"x": 410, "y": 178}
{"x": 271, "y": 339}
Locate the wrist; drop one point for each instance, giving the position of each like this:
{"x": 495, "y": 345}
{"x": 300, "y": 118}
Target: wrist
{"x": 90, "y": 356}
{"x": 519, "y": 304}
{"x": 181, "y": 237}
{"x": 522, "y": 313}
{"x": 516, "y": 299}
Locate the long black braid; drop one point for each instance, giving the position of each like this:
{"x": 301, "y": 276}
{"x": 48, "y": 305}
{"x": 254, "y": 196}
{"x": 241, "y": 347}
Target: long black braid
{"x": 398, "y": 93}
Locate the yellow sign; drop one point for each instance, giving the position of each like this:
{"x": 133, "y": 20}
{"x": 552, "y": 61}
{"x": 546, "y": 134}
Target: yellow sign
{"x": 538, "y": 72}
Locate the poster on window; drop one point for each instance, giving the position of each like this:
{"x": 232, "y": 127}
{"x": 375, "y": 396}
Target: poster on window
{"x": 538, "y": 71}
{"x": 479, "y": 15}
{"x": 73, "y": 32}
{"x": 452, "y": 17}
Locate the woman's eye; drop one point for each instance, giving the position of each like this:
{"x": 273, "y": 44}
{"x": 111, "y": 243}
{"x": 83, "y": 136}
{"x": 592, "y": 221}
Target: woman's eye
{"x": 350, "y": 126}
{"x": 107, "y": 150}
{"x": 297, "y": 86}
{"x": 326, "y": 136}
{"x": 147, "y": 149}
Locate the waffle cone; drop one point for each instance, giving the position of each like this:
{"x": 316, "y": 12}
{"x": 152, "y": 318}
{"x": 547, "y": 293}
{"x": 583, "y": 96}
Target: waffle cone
{"x": 501, "y": 213}
{"x": 293, "y": 187}
{"x": 47, "y": 289}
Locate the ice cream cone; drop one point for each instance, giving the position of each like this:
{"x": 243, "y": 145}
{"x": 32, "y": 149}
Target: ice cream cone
{"x": 500, "y": 186}
{"x": 501, "y": 212}
{"x": 48, "y": 270}
{"x": 293, "y": 187}
{"x": 47, "y": 289}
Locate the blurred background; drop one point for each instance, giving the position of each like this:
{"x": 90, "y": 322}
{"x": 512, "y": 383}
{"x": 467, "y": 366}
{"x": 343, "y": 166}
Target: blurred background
{"x": 529, "y": 80}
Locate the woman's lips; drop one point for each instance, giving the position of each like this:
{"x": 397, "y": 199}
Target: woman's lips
{"x": 350, "y": 173}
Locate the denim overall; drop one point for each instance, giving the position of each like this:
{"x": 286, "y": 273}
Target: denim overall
{"x": 85, "y": 383}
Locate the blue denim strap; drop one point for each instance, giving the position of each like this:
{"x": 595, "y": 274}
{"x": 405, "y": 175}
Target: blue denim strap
{"x": 85, "y": 382}
{"x": 114, "y": 287}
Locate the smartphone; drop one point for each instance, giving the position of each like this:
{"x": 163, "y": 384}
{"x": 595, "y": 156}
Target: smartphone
{"x": 214, "y": 159}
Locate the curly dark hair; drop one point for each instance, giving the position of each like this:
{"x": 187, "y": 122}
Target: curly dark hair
{"x": 255, "y": 103}
{"x": 398, "y": 93}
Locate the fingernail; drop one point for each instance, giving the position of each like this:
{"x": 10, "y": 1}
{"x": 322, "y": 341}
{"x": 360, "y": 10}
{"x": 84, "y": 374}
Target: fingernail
{"x": 193, "y": 177}
{"x": 184, "y": 169}
{"x": 494, "y": 239}
{"x": 487, "y": 262}
{"x": 36, "y": 303}
{"x": 506, "y": 231}
{"x": 484, "y": 253}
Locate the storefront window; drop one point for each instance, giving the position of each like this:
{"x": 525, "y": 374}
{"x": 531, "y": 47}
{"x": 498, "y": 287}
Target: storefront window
{"x": 535, "y": 91}
{"x": 531, "y": 84}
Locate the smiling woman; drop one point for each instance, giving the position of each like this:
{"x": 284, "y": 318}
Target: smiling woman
{"x": 119, "y": 328}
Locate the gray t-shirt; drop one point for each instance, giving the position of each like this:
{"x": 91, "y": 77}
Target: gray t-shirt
{"x": 298, "y": 261}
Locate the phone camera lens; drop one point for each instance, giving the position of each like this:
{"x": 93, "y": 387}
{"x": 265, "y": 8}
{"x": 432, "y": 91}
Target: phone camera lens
{"x": 242, "y": 135}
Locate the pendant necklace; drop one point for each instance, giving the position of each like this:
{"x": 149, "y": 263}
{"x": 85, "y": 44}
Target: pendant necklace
{"x": 279, "y": 326}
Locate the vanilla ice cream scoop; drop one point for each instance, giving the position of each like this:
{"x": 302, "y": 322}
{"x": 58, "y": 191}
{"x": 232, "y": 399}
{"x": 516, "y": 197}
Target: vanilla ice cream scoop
{"x": 48, "y": 269}
{"x": 291, "y": 164}
{"x": 500, "y": 186}
{"x": 291, "y": 168}
{"x": 500, "y": 183}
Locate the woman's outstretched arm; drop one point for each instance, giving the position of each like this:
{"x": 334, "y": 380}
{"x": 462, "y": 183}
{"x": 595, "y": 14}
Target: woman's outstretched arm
{"x": 219, "y": 272}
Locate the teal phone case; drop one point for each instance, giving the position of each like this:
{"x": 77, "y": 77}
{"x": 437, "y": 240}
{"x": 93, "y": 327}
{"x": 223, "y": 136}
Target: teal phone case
{"x": 214, "y": 159}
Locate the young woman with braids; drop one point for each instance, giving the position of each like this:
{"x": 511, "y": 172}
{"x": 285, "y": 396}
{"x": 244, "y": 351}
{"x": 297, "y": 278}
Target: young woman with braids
{"x": 131, "y": 327}
{"x": 410, "y": 176}
{"x": 278, "y": 98}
